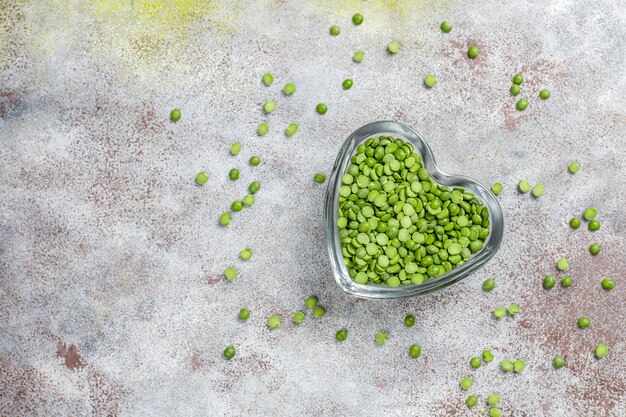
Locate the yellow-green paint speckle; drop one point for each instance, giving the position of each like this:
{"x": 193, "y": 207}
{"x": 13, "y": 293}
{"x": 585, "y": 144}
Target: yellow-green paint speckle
{"x": 158, "y": 16}
{"x": 413, "y": 7}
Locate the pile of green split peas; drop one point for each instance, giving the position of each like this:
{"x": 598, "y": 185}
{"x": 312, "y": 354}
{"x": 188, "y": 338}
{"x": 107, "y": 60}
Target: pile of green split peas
{"x": 396, "y": 225}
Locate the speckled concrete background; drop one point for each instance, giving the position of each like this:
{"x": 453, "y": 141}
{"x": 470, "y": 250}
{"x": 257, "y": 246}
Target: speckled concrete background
{"x": 112, "y": 300}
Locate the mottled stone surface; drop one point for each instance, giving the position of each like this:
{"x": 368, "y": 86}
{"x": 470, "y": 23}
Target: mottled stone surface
{"x": 112, "y": 300}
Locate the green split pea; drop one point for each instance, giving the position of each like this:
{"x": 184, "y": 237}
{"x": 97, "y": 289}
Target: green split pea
{"x": 396, "y": 225}
{"x": 381, "y": 337}
{"x": 229, "y": 352}
{"x": 341, "y": 335}
{"x": 473, "y": 52}
{"x": 298, "y": 317}
{"x": 175, "y": 115}
{"x": 466, "y": 383}
{"x": 430, "y": 81}
{"x": 393, "y": 47}
{"x": 289, "y": 89}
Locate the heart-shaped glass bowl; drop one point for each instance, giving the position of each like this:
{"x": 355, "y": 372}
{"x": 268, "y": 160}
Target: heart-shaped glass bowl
{"x": 374, "y": 291}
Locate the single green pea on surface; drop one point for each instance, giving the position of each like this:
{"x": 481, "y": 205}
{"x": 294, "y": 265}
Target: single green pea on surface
{"x": 269, "y": 106}
{"x": 201, "y": 178}
{"x": 558, "y": 361}
{"x": 310, "y": 302}
{"x": 445, "y": 27}
{"x": 538, "y": 190}
{"x": 473, "y": 52}
{"x": 487, "y": 356}
{"x": 298, "y": 317}
{"x": 245, "y": 254}
{"x": 590, "y": 213}
{"x": 341, "y": 335}
{"x": 318, "y": 312}
{"x": 515, "y": 90}
{"x": 496, "y": 188}
{"x": 334, "y": 31}
{"x": 415, "y": 351}
{"x": 489, "y": 284}
{"x": 519, "y": 365}
{"x": 601, "y": 350}
{"x": 593, "y": 225}
{"x": 549, "y": 282}
{"x": 583, "y": 322}
{"x": 248, "y": 200}
{"x": 466, "y": 383}
{"x": 381, "y": 337}
{"x": 273, "y": 321}
{"x": 594, "y": 249}
{"x": 225, "y": 219}
{"x": 254, "y": 161}
{"x": 608, "y": 284}
{"x": 499, "y": 312}
{"x": 523, "y": 186}
{"x": 566, "y": 281}
{"x": 235, "y": 148}
{"x": 289, "y": 89}
{"x": 393, "y": 47}
{"x": 291, "y": 129}
{"x": 518, "y": 79}
{"x": 254, "y": 187}
{"x": 319, "y": 178}
{"x": 513, "y": 309}
{"x": 229, "y": 352}
{"x": 495, "y": 412}
{"x": 268, "y": 79}
{"x": 506, "y": 365}
{"x": 562, "y": 264}
{"x": 175, "y": 115}
{"x": 471, "y": 401}
{"x": 347, "y": 84}
{"x": 358, "y": 56}
{"x": 521, "y": 104}
{"x": 573, "y": 167}
{"x": 244, "y": 314}
{"x": 475, "y": 362}
{"x": 544, "y": 94}
{"x": 357, "y": 19}
{"x": 396, "y": 225}
{"x": 233, "y": 174}
{"x": 409, "y": 321}
{"x": 236, "y": 206}
{"x": 321, "y": 108}
{"x": 263, "y": 129}
{"x": 574, "y": 223}
{"x": 493, "y": 399}
{"x": 230, "y": 273}
{"x": 430, "y": 80}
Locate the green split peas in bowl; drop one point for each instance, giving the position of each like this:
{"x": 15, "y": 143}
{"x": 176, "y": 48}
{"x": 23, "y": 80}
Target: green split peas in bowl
{"x": 396, "y": 225}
